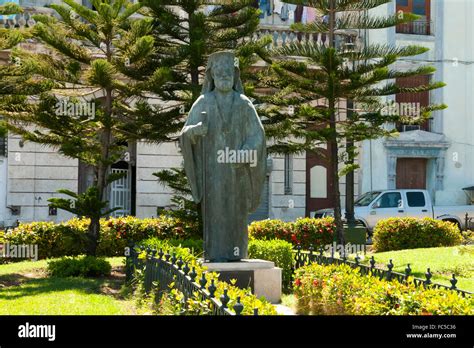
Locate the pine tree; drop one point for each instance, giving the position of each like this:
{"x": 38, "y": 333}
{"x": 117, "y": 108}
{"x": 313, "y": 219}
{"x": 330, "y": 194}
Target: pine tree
{"x": 186, "y": 33}
{"x": 8, "y": 39}
{"x": 334, "y": 75}
{"x": 85, "y": 51}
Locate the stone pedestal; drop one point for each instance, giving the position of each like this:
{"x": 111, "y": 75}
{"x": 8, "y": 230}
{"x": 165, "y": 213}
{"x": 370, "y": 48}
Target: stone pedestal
{"x": 260, "y": 275}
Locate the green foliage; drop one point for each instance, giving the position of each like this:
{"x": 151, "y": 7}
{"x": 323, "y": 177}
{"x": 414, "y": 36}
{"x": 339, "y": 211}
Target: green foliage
{"x": 277, "y": 251}
{"x": 87, "y": 50}
{"x": 184, "y": 208}
{"x": 304, "y": 231}
{"x": 468, "y": 237}
{"x": 333, "y": 94}
{"x": 85, "y": 204}
{"x": 86, "y": 266}
{"x": 340, "y": 289}
{"x": 194, "y": 245}
{"x": 411, "y": 233}
{"x": 70, "y": 238}
{"x": 174, "y": 303}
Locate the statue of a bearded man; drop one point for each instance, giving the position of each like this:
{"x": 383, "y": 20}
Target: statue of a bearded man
{"x": 224, "y": 150}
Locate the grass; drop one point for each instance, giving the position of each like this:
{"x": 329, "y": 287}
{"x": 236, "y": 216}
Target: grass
{"x": 25, "y": 289}
{"x": 26, "y": 266}
{"x": 443, "y": 262}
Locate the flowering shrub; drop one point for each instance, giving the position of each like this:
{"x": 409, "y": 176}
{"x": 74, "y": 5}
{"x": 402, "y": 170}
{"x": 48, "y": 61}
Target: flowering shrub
{"x": 316, "y": 232}
{"x": 306, "y": 231}
{"x": 411, "y": 233}
{"x": 340, "y": 289}
{"x": 271, "y": 229}
{"x": 70, "y": 238}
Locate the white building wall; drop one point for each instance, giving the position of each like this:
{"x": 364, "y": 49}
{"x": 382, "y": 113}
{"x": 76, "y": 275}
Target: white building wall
{"x": 35, "y": 173}
{"x": 288, "y": 207}
{"x": 152, "y": 158}
{"x": 457, "y": 120}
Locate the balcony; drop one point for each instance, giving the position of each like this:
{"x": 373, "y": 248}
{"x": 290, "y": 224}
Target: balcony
{"x": 284, "y": 35}
{"x": 419, "y": 27}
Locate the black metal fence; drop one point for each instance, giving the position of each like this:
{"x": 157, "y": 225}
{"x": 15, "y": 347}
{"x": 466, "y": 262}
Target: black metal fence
{"x": 468, "y": 222}
{"x": 303, "y": 258}
{"x": 162, "y": 269}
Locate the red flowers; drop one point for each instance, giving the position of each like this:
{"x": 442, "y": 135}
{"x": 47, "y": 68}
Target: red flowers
{"x": 316, "y": 282}
{"x": 297, "y": 282}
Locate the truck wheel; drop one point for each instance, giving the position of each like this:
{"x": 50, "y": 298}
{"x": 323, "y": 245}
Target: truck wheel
{"x": 456, "y": 223}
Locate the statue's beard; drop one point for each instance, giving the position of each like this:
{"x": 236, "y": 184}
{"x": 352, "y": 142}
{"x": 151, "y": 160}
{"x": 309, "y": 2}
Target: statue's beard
{"x": 224, "y": 86}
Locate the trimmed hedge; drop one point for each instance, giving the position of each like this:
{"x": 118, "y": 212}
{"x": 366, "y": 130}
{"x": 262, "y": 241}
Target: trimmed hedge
{"x": 304, "y": 231}
{"x": 172, "y": 302}
{"x": 411, "y": 233}
{"x": 85, "y": 266}
{"x": 277, "y": 251}
{"x": 340, "y": 289}
{"x": 69, "y": 238}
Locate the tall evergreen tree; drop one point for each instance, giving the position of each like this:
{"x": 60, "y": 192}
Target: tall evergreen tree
{"x": 333, "y": 75}
{"x": 97, "y": 52}
{"x": 8, "y": 39}
{"x": 186, "y": 33}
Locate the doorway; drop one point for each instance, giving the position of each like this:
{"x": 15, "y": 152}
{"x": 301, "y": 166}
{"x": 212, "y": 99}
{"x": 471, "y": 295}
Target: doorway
{"x": 411, "y": 173}
{"x": 319, "y": 183}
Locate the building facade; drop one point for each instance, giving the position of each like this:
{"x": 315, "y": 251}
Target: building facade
{"x": 437, "y": 155}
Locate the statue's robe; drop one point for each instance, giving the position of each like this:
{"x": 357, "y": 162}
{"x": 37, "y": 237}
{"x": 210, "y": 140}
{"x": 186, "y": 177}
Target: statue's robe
{"x": 232, "y": 191}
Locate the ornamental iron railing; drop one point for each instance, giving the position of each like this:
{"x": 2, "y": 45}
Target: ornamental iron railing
{"x": 161, "y": 269}
{"x": 303, "y": 258}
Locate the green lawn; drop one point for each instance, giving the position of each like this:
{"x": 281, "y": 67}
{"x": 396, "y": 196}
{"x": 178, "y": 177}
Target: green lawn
{"x": 443, "y": 262}
{"x": 25, "y": 289}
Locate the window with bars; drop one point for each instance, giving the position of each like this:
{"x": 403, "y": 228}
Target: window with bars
{"x": 288, "y": 174}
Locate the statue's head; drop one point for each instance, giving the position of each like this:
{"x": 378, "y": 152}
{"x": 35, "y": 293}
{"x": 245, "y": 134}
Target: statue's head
{"x": 222, "y": 73}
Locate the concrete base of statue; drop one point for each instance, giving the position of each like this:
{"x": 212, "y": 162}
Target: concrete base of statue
{"x": 260, "y": 275}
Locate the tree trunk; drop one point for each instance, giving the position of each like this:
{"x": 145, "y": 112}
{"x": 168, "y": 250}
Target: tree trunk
{"x": 350, "y": 176}
{"x": 333, "y": 126}
{"x": 350, "y": 194}
{"x": 93, "y": 233}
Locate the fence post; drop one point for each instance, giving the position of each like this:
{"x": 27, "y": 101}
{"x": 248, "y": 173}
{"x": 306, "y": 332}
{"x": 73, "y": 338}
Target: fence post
{"x": 212, "y": 289}
{"x": 224, "y": 299}
{"x": 129, "y": 262}
{"x": 148, "y": 271}
{"x": 407, "y": 272}
{"x": 453, "y": 282}
{"x": 238, "y": 307}
{"x": 428, "y": 276}
{"x": 390, "y": 267}
{"x": 372, "y": 265}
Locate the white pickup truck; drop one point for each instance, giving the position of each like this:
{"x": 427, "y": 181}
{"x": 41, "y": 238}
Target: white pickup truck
{"x": 377, "y": 205}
